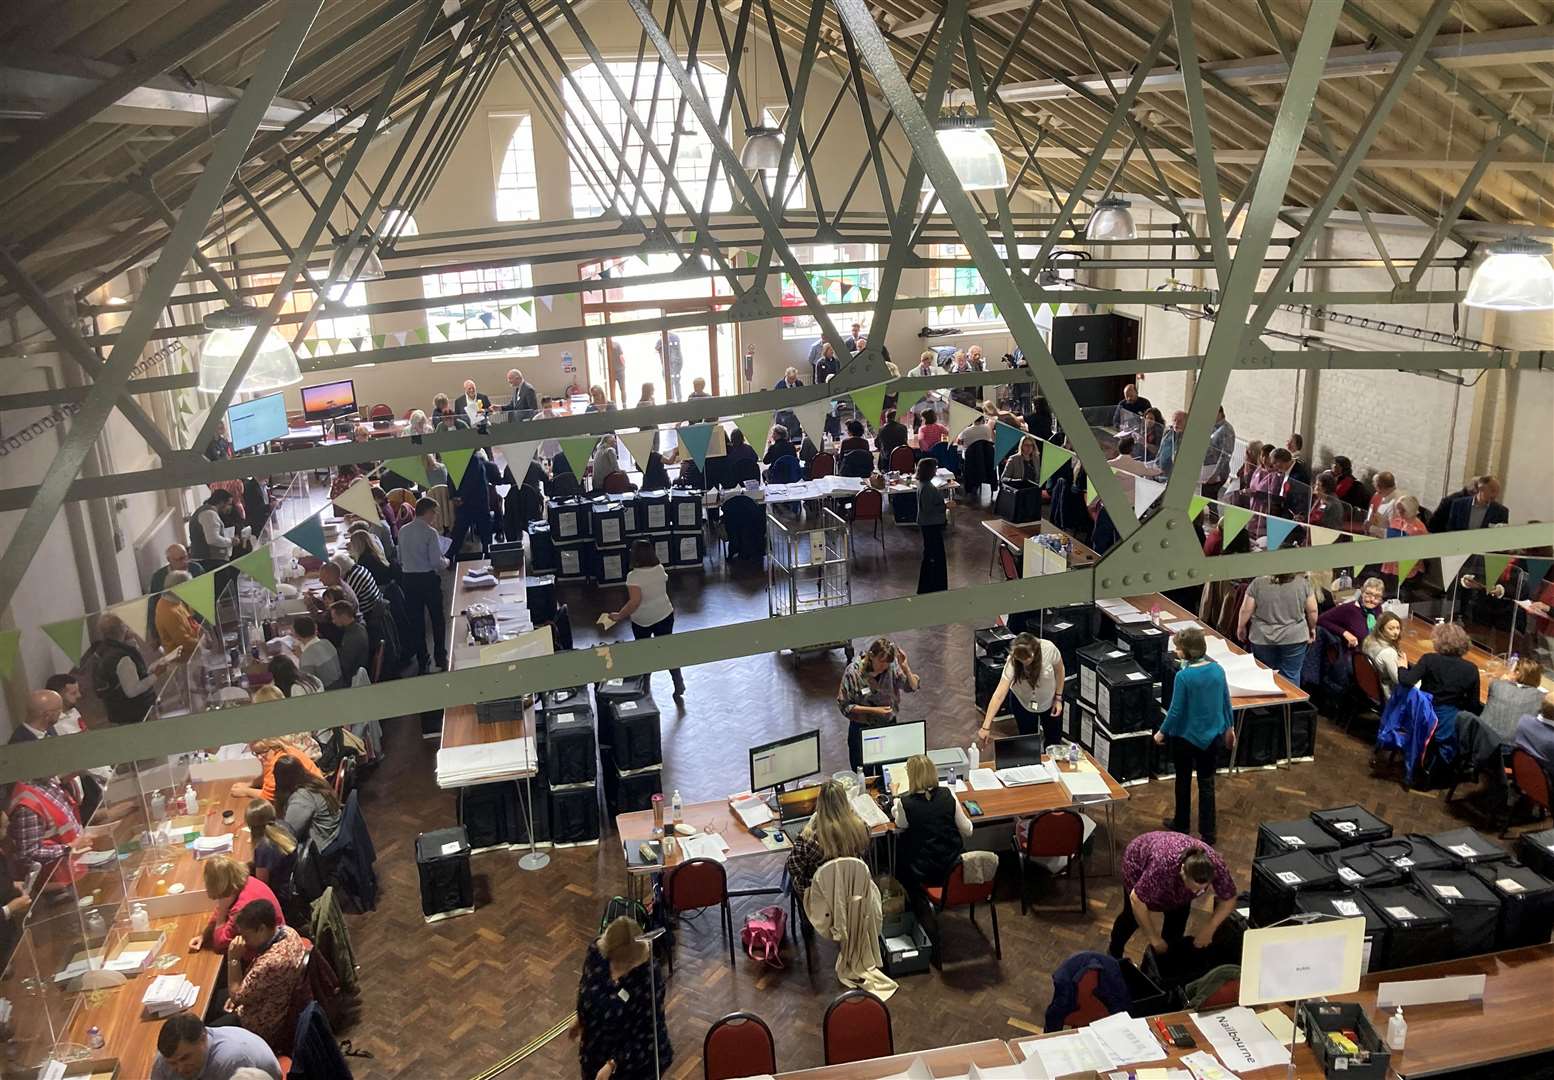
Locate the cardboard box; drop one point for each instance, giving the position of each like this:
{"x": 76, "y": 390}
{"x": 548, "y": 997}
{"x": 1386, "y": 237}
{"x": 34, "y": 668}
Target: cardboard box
{"x": 149, "y": 942}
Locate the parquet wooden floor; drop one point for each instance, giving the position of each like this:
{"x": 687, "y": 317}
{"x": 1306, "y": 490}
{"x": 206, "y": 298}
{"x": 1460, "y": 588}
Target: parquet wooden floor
{"x": 447, "y": 1001}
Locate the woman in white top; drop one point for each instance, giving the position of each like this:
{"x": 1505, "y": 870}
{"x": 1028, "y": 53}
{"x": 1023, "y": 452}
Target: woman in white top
{"x": 647, "y": 603}
{"x": 1033, "y": 685}
{"x": 1381, "y": 646}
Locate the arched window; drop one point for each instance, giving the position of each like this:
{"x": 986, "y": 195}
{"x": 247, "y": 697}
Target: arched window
{"x": 594, "y": 179}
{"x": 517, "y": 187}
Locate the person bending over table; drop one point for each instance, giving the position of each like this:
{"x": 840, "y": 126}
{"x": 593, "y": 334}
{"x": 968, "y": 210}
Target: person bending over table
{"x": 1033, "y": 674}
{"x": 620, "y": 1009}
{"x": 835, "y": 831}
{"x": 187, "y": 1050}
{"x": 230, "y": 885}
{"x": 264, "y": 966}
{"x": 934, "y": 828}
{"x": 1162, "y": 874}
{"x": 871, "y": 691}
{"x": 1199, "y": 718}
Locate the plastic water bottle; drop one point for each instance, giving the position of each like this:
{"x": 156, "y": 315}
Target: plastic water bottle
{"x": 863, "y": 782}
{"x": 96, "y": 925}
{"x": 677, "y": 807}
{"x": 158, "y": 806}
{"x": 94, "y": 1037}
{"x": 191, "y": 800}
{"x": 973, "y": 756}
{"x": 140, "y": 919}
{"x": 1397, "y": 1031}
{"x": 1511, "y": 662}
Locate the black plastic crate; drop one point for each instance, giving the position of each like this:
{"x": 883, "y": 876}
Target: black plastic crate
{"x": 1472, "y": 906}
{"x": 1147, "y": 995}
{"x": 1318, "y": 1019}
{"x": 686, "y": 510}
{"x": 1466, "y": 847}
{"x": 1303, "y": 733}
{"x": 686, "y": 549}
{"x": 989, "y": 670}
{"x": 608, "y": 524}
{"x": 1124, "y": 697}
{"x": 1411, "y": 853}
{"x": 1148, "y": 643}
{"x": 1087, "y": 725}
{"x": 1123, "y": 754}
{"x": 653, "y": 511}
{"x": 573, "y": 561}
{"x": 634, "y": 733}
{"x": 899, "y": 960}
{"x": 1261, "y": 741}
{"x": 610, "y": 565}
{"x": 1361, "y": 867}
{"x": 627, "y": 501}
{"x": 570, "y": 752}
{"x": 542, "y": 549}
{"x": 1067, "y": 636}
{"x": 1536, "y": 850}
{"x": 621, "y": 689}
{"x": 499, "y": 711}
{"x": 1276, "y": 837}
{"x": 540, "y": 597}
{"x": 1277, "y": 878}
{"x": 574, "y": 814}
{"x": 1090, "y": 657}
{"x": 1351, "y": 825}
{"x": 1019, "y": 501}
{"x": 1526, "y": 903}
{"x": 1418, "y": 929}
{"x": 992, "y": 641}
{"x": 442, "y": 864}
{"x": 569, "y": 519}
{"x": 1348, "y": 904}
{"x": 489, "y": 814}
{"x": 629, "y": 790}
{"x": 567, "y": 698}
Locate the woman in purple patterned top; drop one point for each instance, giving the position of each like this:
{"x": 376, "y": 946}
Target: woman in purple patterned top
{"x": 1162, "y": 874}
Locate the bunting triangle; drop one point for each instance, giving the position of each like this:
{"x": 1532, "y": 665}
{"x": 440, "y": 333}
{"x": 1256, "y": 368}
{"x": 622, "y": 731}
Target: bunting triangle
{"x": 412, "y": 468}
{"x": 1363, "y": 563}
{"x": 1537, "y": 569}
{"x": 751, "y": 260}
{"x": 357, "y": 499}
{"x": 518, "y": 455}
{"x": 1406, "y": 567}
{"x": 309, "y": 536}
{"x": 717, "y": 440}
{"x": 1494, "y": 568}
{"x": 812, "y": 417}
{"x": 200, "y": 594}
{"x": 1006, "y": 439}
{"x": 132, "y": 613}
{"x": 1053, "y": 458}
{"x": 754, "y": 425}
{"x": 1451, "y": 568}
{"x": 1145, "y": 492}
{"x": 578, "y": 449}
{"x": 1279, "y": 530}
{"x": 1196, "y": 505}
{"x": 847, "y": 286}
{"x": 865, "y": 292}
{"x": 259, "y": 564}
{"x": 639, "y": 444}
{"x": 420, "y": 335}
{"x": 1320, "y": 536}
{"x": 10, "y": 643}
{"x": 456, "y": 461}
{"x": 1232, "y": 521}
{"x": 961, "y": 417}
{"x": 67, "y": 634}
{"x": 1091, "y": 495}
{"x": 528, "y": 307}
{"x": 870, "y": 402}
{"x": 549, "y": 302}
{"x": 695, "y": 439}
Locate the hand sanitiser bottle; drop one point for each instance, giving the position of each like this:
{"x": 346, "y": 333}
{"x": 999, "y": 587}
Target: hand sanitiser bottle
{"x": 1397, "y": 1031}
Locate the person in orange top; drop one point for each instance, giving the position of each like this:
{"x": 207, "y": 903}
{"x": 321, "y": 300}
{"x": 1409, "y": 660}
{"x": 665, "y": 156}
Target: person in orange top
{"x": 269, "y": 751}
{"x": 1405, "y": 522}
{"x": 175, "y": 626}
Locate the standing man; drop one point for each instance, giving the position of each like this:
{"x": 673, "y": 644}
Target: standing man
{"x": 210, "y": 540}
{"x": 177, "y": 559}
{"x": 856, "y": 340}
{"x": 871, "y": 691}
{"x": 472, "y": 397}
{"x": 676, "y": 358}
{"x": 524, "y": 400}
{"x": 617, "y": 355}
{"x": 1478, "y": 510}
{"x": 1128, "y": 414}
{"x": 1222, "y": 447}
{"x": 421, "y": 558}
{"x": 1169, "y": 442}
{"x": 1300, "y": 472}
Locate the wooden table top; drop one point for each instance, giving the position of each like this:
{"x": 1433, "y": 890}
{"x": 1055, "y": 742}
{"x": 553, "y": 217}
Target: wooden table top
{"x": 1416, "y": 644}
{"x": 942, "y": 1061}
{"x": 215, "y": 797}
{"x": 460, "y": 726}
{"x": 1015, "y": 534}
{"x": 1028, "y": 799}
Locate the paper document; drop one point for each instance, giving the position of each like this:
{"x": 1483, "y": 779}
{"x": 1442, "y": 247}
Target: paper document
{"x": 866, "y": 808}
{"x": 1279, "y": 1025}
{"x": 704, "y": 846}
{"x": 1205, "y": 1066}
{"x": 1085, "y": 785}
{"x": 1217, "y": 647}
{"x": 751, "y": 810}
{"x": 1127, "y": 1039}
{"x": 1183, "y": 624}
{"x": 1129, "y": 617}
{"x": 1246, "y": 676}
{"x": 1240, "y": 1039}
{"x": 983, "y": 780}
{"x": 1080, "y": 1051}
{"x": 1029, "y": 1069}
{"x": 537, "y": 642}
{"x": 1023, "y": 775}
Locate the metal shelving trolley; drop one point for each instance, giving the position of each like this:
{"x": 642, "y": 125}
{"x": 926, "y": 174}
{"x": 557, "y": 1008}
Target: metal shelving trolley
{"x": 808, "y": 567}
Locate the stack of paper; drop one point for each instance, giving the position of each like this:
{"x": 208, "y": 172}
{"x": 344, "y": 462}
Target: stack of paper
{"x": 983, "y": 780}
{"x": 169, "y": 994}
{"x": 509, "y": 759}
{"x": 1241, "y": 1040}
{"x": 869, "y": 810}
{"x": 1021, "y": 775}
{"x": 1085, "y": 786}
{"x": 130, "y": 960}
{"x": 206, "y": 846}
{"x": 751, "y": 810}
{"x": 479, "y": 579}
{"x": 704, "y": 846}
{"x": 93, "y": 857}
{"x": 1122, "y": 611}
{"x": 1247, "y": 677}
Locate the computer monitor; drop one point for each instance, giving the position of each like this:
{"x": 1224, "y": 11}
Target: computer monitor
{"x": 329, "y": 400}
{"x": 1017, "y": 750}
{"x": 894, "y": 742}
{"x": 785, "y": 761}
{"x": 250, "y": 423}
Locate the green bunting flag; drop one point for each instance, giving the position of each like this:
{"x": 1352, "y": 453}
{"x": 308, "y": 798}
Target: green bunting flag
{"x": 755, "y": 427}
{"x": 67, "y": 634}
{"x": 309, "y": 536}
{"x": 1406, "y": 567}
{"x": 1494, "y": 569}
{"x": 1232, "y": 520}
{"x": 1006, "y": 439}
{"x": 870, "y": 402}
{"x": 864, "y": 291}
{"x": 456, "y": 461}
{"x": 259, "y": 565}
{"x": 200, "y": 594}
{"x": 751, "y": 260}
{"x": 578, "y": 449}
{"x": 1196, "y": 505}
{"x": 412, "y": 468}
{"x": 10, "y": 640}
{"x": 1091, "y": 495}
{"x": 1053, "y": 458}
{"x": 419, "y": 333}
{"x": 528, "y": 307}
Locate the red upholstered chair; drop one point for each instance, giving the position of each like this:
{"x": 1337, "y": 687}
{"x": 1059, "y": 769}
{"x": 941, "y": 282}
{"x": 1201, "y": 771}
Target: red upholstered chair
{"x": 1530, "y": 779}
{"x": 822, "y": 464}
{"x": 956, "y": 893}
{"x": 739, "y": 1044}
{"x": 1055, "y": 834}
{"x": 869, "y": 505}
{"x": 381, "y": 413}
{"x": 1006, "y": 560}
{"x": 697, "y": 884}
{"x": 856, "y": 1028}
{"x": 902, "y": 460}
{"x": 1088, "y": 1006}
{"x": 617, "y": 483}
{"x": 1367, "y": 686}
{"x": 1227, "y": 995}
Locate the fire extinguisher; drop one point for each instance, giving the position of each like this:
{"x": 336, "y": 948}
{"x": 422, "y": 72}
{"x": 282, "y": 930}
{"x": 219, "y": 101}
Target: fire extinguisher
{"x": 749, "y": 364}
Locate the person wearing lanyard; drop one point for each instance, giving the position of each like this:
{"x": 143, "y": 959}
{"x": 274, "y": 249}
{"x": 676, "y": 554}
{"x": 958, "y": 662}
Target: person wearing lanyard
{"x": 871, "y": 692}
{"x": 1199, "y": 717}
{"x": 1032, "y": 683}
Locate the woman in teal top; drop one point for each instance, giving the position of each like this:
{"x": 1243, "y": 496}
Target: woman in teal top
{"x": 1199, "y": 718}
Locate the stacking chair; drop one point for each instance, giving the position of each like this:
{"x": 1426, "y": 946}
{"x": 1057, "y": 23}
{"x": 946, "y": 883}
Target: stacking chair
{"x": 856, "y": 1028}
{"x": 822, "y": 465}
{"x": 955, "y": 893}
{"x": 902, "y": 460}
{"x": 1053, "y": 834}
{"x": 698, "y": 884}
{"x": 739, "y": 1044}
{"x": 1529, "y": 777}
{"x": 869, "y": 505}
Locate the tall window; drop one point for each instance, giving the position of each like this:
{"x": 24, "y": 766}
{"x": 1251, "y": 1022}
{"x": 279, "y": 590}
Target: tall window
{"x": 797, "y": 182}
{"x": 836, "y": 279}
{"x": 300, "y": 301}
{"x": 517, "y": 188}
{"x": 465, "y": 314}
{"x": 957, "y": 281}
{"x": 692, "y": 158}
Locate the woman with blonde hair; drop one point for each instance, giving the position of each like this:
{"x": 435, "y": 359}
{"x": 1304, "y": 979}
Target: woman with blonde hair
{"x": 275, "y": 849}
{"x": 619, "y": 1025}
{"x": 933, "y": 828}
{"x": 1026, "y": 464}
{"x": 834, "y": 832}
{"x": 233, "y": 888}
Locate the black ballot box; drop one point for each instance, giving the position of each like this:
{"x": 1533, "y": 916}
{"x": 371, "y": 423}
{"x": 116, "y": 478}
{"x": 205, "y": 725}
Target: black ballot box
{"x": 1347, "y": 904}
{"x": 442, "y": 861}
{"x": 1526, "y": 903}
{"x": 634, "y": 736}
{"x": 1149, "y": 645}
{"x": 1090, "y": 657}
{"x": 609, "y": 524}
{"x": 1124, "y": 697}
{"x": 1411, "y": 853}
{"x": 1277, "y": 878}
{"x": 570, "y": 752}
{"x": 1467, "y": 847}
{"x": 1363, "y": 867}
{"x": 1275, "y": 837}
{"x": 574, "y": 814}
{"x": 1472, "y": 906}
{"x": 1418, "y": 929}
{"x": 1536, "y": 850}
{"x": 1351, "y": 825}
{"x": 489, "y": 814}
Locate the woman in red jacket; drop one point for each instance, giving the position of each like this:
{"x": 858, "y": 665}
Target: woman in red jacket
{"x": 230, "y": 885}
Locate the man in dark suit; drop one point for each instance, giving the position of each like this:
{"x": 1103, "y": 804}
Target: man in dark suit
{"x": 789, "y": 380}
{"x": 1478, "y": 510}
{"x": 1300, "y": 472}
{"x": 524, "y": 399}
{"x": 471, "y": 396}
{"x": 43, "y": 708}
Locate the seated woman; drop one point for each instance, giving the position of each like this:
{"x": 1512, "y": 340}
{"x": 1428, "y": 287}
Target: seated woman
{"x": 1449, "y": 678}
{"x": 778, "y": 445}
{"x": 855, "y": 439}
{"x": 1517, "y": 694}
{"x": 931, "y": 433}
{"x": 275, "y": 850}
{"x": 233, "y": 888}
{"x": 1381, "y": 646}
{"x": 269, "y": 751}
{"x": 933, "y": 830}
{"x": 1355, "y": 619}
{"x": 264, "y": 968}
{"x": 834, "y": 832}
{"x": 307, "y": 803}
{"x": 740, "y": 451}
{"x": 1025, "y": 465}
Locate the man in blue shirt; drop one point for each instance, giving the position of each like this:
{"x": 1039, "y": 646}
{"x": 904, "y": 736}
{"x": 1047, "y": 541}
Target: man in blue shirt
{"x": 188, "y": 1050}
{"x": 1169, "y": 443}
{"x": 421, "y": 560}
{"x": 1535, "y": 733}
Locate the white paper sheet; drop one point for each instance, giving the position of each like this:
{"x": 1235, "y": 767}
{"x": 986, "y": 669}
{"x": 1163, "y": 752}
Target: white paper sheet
{"x": 1127, "y": 1039}
{"x": 918, "y": 1070}
{"x": 1079, "y": 1051}
{"x": 1240, "y": 1040}
{"x": 1025, "y": 775}
{"x": 869, "y": 810}
{"x": 1029, "y": 1069}
{"x": 704, "y": 846}
{"x": 983, "y": 780}
{"x": 1084, "y": 785}
{"x": 1205, "y": 1066}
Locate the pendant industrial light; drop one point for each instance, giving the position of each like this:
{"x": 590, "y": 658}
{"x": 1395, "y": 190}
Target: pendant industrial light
{"x": 357, "y": 262}
{"x": 762, "y": 149}
{"x": 1112, "y": 220}
{"x": 967, "y": 140}
{"x": 1517, "y": 276}
{"x": 228, "y": 333}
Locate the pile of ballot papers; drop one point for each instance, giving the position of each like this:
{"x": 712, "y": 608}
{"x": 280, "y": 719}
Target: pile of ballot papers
{"x": 206, "y": 846}
{"x": 168, "y": 995}
{"x": 509, "y": 759}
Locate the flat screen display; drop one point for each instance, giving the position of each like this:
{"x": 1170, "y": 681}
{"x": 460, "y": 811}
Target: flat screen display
{"x": 329, "y": 400}
{"x": 784, "y": 761}
{"x": 250, "y": 423}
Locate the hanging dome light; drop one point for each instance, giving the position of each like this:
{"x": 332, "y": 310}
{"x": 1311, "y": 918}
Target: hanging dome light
{"x": 762, "y": 149}
{"x": 357, "y": 262}
{"x": 967, "y": 140}
{"x": 228, "y": 333}
{"x": 1517, "y": 276}
{"x": 1112, "y": 220}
